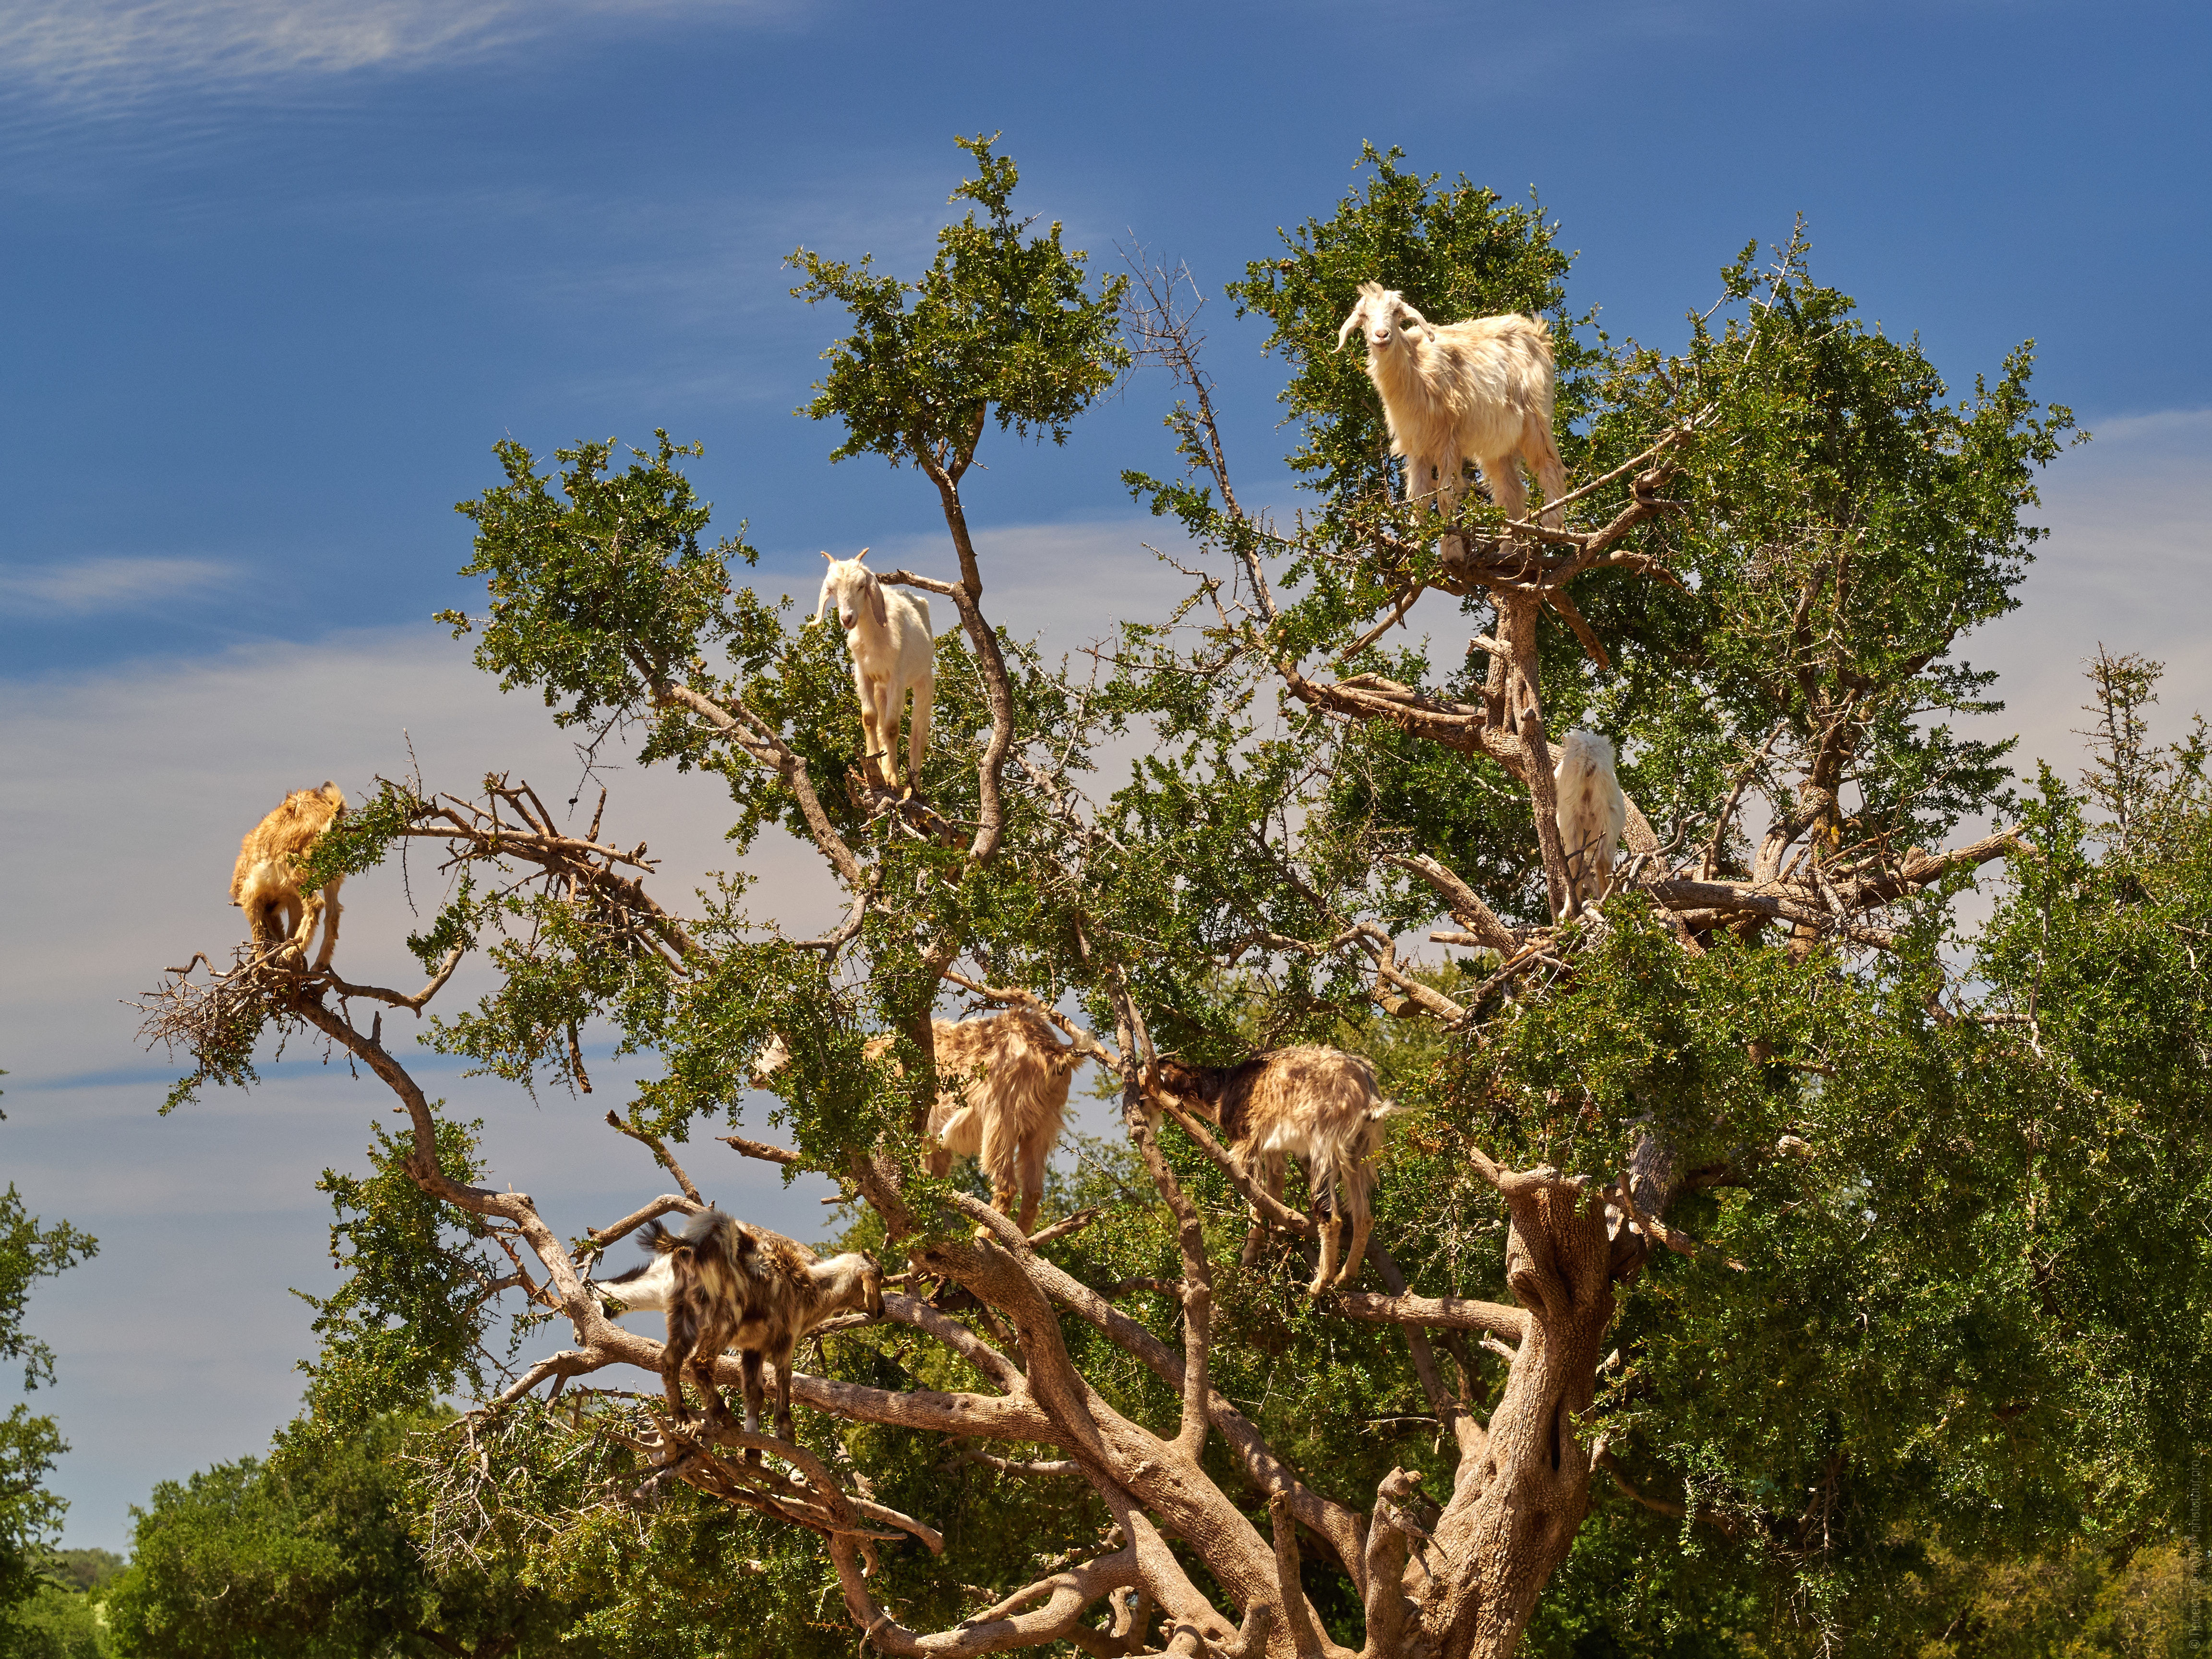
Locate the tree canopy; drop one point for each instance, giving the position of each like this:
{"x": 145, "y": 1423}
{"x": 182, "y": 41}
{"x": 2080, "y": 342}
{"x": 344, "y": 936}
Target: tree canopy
{"x": 1750, "y": 1254}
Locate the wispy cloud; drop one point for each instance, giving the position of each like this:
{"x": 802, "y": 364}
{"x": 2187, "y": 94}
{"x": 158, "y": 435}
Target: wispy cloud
{"x": 83, "y": 587}
{"x": 95, "y": 48}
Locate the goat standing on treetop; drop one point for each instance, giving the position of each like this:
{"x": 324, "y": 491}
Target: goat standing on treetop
{"x": 723, "y": 1284}
{"x": 1481, "y": 391}
{"x": 265, "y": 881}
{"x": 1321, "y": 1104}
{"x": 893, "y": 654}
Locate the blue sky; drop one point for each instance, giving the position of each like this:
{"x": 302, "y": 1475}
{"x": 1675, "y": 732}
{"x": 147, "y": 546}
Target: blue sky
{"x": 277, "y": 275}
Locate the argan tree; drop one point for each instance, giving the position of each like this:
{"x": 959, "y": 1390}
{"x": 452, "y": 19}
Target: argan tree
{"x": 1737, "y": 1242}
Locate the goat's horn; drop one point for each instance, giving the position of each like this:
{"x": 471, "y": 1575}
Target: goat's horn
{"x": 825, "y": 553}
{"x": 862, "y": 554}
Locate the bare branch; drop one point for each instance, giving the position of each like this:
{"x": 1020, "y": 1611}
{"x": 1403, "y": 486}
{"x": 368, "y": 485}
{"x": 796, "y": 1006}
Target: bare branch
{"x": 1446, "y": 1312}
{"x": 659, "y": 1150}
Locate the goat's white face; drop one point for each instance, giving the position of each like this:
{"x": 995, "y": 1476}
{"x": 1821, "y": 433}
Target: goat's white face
{"x": 854, "y": 585}
{"x": 1382, "y": 317}
{"x": 1388, "y": 319}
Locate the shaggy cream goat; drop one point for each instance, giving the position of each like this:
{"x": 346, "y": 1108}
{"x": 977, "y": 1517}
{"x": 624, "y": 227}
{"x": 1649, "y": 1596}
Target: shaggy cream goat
{"x": 1591, "y": 813}
{"x": 1013, "y": 1074}
{"x": 893, "y": 654}
{"x": 1009, "y": 1118}
{"x": 1478, "y": 391}
{"x": 1321, "y": 1104}
{"x": 264, "y": 882}
{"x": 722, "y": 1285}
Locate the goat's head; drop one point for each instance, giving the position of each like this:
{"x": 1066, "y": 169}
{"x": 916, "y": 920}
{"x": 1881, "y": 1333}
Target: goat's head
{"x": 855, "y": 1279}
{"x": 1190, "y": 1087}
{"x": 855, "y": 587}
{"x": 1383, "y": 315}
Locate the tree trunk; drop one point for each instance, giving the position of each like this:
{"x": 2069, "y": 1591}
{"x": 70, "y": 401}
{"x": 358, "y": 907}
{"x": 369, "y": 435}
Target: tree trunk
{"x": 1516, "y": 1508}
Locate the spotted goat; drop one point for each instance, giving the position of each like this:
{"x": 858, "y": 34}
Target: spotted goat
{"x": 724, "y": 1284}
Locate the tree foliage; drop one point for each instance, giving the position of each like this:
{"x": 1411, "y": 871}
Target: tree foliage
{"x": 30, "y": 1512}
{"x": 1752, "y": 1254}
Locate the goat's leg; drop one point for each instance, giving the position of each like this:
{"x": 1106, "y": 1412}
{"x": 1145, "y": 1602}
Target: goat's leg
{"x": 917, "y": 737}
{"x": 1543, "y": 457}
{"x": 783, "y": 1430}
{"x": 284, "y": 917}
{"x": 1036, "y": 1151}
{"x": 887, "y": 728}
{"x": 332, "y": 911}
{"x": 312, "y": 906}
{"x": 673, "y": 1363}
{"x": 1266, "y": 1173}
{"x": 1319, "y": 1181}
{"x": 1358, "y": 1186}
{"x": 871, "y": 725}
{"x": 702, "y": 1377}
{"x": 749, "y": 1365}
{"x": 1503, "y": 474}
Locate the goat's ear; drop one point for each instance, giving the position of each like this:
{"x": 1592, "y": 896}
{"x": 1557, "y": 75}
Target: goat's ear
{"x": 1406, "y": 313}
{"x": 877, "y": 607}
{"x": 821, "y": 604}
{"x": 1350, "y": 323}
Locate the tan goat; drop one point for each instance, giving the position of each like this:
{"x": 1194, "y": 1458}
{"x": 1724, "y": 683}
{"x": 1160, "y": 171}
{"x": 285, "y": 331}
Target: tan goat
{"x": 265, "y": 881}
{"x": 1004, "y": 1103}
{"x": 1009, "y": 1117}
{"x": 1321, "y": 1104}
{"x": 726, "y": 1285}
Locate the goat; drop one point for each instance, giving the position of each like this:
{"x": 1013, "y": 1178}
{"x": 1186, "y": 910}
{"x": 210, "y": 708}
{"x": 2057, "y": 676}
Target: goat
{"x": 723, "y": 1284}
{"x": 1480, "y": 390}
{"x": 1321, "y": 1104}
{"x": 893, "y": 654}
{"x": 1591, "y": 813}
{"x": 265, "y": 881}
{"x": 1008, "y": 1119}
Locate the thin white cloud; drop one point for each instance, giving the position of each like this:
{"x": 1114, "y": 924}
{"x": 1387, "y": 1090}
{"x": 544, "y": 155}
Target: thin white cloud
{"x": 96, "y": 48}
{"x": 83, "y": 587}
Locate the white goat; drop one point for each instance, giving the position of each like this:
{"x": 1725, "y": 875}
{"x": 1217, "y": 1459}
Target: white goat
{"x": 1479, "y": 391}
{"x": 1591, "y": 813}
{"x": 1321, "y": 1104}
{"x": 723, "y": 1284}
{"x": 893, "y": 654}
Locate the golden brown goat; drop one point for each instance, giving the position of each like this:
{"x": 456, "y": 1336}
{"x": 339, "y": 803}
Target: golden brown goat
{"x": 265, "y": 881}
{"x": 1321, "y": 1104}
